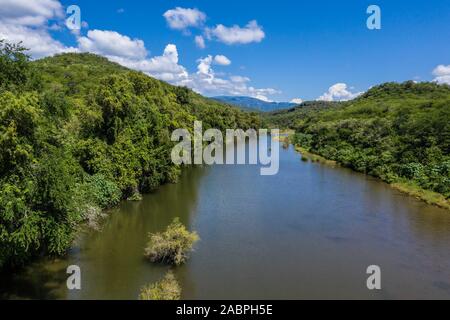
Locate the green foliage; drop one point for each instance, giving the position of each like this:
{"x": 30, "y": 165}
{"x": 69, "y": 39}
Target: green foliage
{"x": 43, "y": 173}
{"x": 290, "y": 118}
{"x": 135, "y": 197}
{"x": 102, "y": 192}
{"x": 166, "y": 289}
{"x": 171, "y": 246}
{"x": 55, "y": 105}
{"x": 14, "y": 66}
{"x": 83, "y": 135}
{"x": 19, "y": 119}
{"x": 393, "y": 131}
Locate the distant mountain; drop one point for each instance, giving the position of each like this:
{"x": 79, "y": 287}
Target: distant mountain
{"x": 255, "y": 104}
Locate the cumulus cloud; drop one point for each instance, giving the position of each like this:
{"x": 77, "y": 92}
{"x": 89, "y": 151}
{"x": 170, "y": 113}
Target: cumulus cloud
{"x": 222, "y": 60}
{"x": 207, "y": 82}
{"x": 30, "y": 13}
{"x": 200, "y": 42}
{"x": 252, "y": 32}
{"x": 297, "y": 101}
{"x": 239, "y": 79}
{"x": 184, "y": 18}
{"x": 442, "y": 74}
{"x": 164, "y": 67}
{"x": 38, "y": 41}
{"x": 263, "y": 98}
{"x": 111, "y": 43}
{"x": 338, "y": 92}
{"x": 204, "y": 65}
{"x": 29, "y": 22}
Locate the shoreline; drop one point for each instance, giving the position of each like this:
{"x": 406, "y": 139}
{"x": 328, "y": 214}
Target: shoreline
{"x": 404, "y": 186}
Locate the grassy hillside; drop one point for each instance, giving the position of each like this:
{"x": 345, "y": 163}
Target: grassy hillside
{"x": 397, "y": 132}
{"x": 78, "y": 134}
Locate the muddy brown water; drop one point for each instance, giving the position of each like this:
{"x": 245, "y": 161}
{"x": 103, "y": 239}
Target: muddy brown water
{"x": 309, "y": 232}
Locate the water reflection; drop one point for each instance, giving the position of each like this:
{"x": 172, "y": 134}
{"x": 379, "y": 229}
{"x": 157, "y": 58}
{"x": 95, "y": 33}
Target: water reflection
{"x": 308, "y": 232}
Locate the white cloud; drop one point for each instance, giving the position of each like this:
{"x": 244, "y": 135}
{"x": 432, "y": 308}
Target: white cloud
{"x": 338, "y": 92}
{"x": 239, "y": 79}
{"x": 183, "y": 18}
{"x": 222, "y": 60}
{"x": 441, "y": 70}
{"x": 29, "y": 12}
{"x": 263, "y": 98}
{"x": 39, "y": 41}
{"x": 443, "y": 80}
{"x": 31, "y": 22}
{"x": 111, "y": 43}
{"x": 28, "y": 22}
{"x": 204, "y": 65}
{"x": 200, "y": 42}
{"x": 164, "y": 67}
{"x": 442, "y": 74}
{"x": 297, "y": 101}
{"x": 252, "y": 32}
{"x": 207, "y": 82}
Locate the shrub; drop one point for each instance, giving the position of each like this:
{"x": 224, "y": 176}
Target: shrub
{"x": 166, "y": 289}
{"x": 135, "y": 197}
{"x": 105, "y": 193}
{"x": 173, "y": 175}
{"x": 171, "y": 246}
{"x": 14, "y": 65}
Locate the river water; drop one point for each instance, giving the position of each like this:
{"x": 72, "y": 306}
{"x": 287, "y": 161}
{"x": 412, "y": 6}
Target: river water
{"x": 309, "y": 232}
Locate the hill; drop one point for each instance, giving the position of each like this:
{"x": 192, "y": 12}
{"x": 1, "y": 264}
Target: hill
{"x": 286, "y": 118}
{"x": 79, "y": 133}
{"x": 397, "y": 132}
{"x": 248, "y": 103}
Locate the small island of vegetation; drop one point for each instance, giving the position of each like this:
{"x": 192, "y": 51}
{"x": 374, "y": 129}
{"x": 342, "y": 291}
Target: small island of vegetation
{"x": 171, "y": 246}
{"x": 165, "y": 289}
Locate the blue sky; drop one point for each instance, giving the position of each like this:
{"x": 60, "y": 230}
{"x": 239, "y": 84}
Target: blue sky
{"x": 277, "y": 50}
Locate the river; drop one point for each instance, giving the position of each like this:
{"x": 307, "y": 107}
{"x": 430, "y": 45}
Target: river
{"x": 309, "y": 232}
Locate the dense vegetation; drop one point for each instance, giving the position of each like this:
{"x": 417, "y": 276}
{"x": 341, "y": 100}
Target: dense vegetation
{"x": 397, "y": 132}
{"x": 78, "y": 134}
{"x": 288, "y": 118}
{"x": 165, "y": 289}
{"x": 171, "y": 246}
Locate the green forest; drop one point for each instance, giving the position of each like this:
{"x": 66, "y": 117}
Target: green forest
{"x": 78, "y": 134}
{"x": 397, "y": 132}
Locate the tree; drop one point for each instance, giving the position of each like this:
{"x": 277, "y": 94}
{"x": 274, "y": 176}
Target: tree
{"x": 16, "y": 72}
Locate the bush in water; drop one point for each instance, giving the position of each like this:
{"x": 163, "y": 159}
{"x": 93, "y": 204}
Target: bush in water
{"x": 166, "y": 289}
{"x": 171, "y": 246}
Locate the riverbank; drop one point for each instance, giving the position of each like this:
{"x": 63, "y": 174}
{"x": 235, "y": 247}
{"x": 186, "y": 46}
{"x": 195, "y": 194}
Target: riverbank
{"x": 306, "y": 155}
{"x": 404, "y": 186}
{"x": 319, "y": 216}
{"x": 427, "y": 196}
